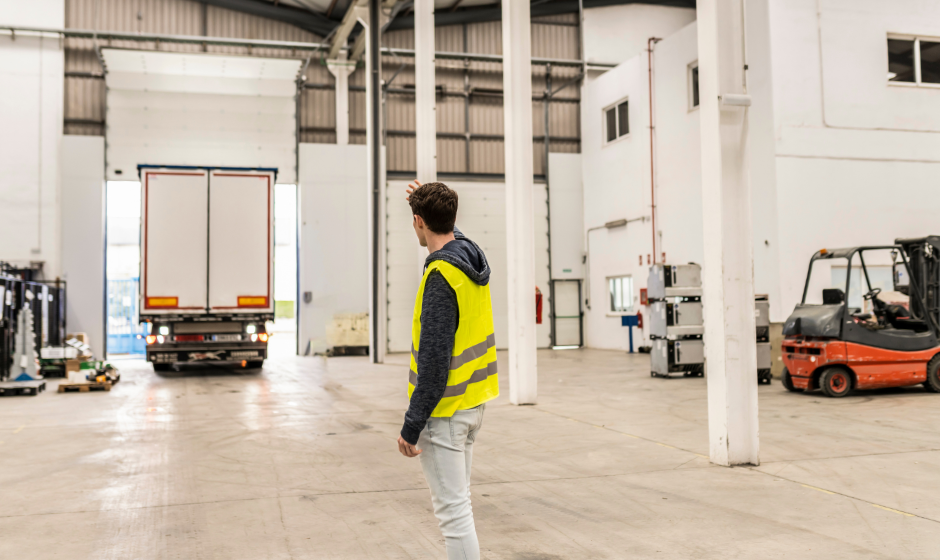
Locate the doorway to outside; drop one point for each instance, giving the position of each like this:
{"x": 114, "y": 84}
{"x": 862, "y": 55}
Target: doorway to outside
{"x": 284, "y": 341}
{"x": 125, "y": 334}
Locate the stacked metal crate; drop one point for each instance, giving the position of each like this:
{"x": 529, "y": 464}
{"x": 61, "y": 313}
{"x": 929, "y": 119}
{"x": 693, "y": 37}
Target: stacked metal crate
{"x": 762, "y": 319}
{"x": 676, "y": 324}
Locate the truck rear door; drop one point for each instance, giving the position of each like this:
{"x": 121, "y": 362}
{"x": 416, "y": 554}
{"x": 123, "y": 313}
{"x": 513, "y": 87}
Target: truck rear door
{"x": 174, "y": 229}
{"x": 241, "y": 241}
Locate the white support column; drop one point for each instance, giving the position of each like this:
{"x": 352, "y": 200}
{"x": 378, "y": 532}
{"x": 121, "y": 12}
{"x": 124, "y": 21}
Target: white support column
{"x": 425, "y": 101}
{"x": 341, "y": 69}
{"x": 727, "y": 272}
{"x": 425, "y": 97}
{"x": 520, "y": 225}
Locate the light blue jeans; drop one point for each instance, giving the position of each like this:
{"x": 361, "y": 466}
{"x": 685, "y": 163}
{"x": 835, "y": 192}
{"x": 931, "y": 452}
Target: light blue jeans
{"x": 446, "y": 453}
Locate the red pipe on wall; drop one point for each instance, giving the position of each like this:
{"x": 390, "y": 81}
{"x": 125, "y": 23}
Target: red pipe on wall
{"x": 649, "y": 50}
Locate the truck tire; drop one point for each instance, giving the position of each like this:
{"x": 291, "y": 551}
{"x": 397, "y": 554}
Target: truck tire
{"x": 255, "y": 365}
{"x": 835, "y": 382}
{"x": 162, "y": 367}
{"x": 933, "y": 375}
{"x": 787, "y": 382}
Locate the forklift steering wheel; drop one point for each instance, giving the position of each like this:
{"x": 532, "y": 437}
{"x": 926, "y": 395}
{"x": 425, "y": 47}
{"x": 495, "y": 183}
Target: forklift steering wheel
{"x": 872, "y": 294}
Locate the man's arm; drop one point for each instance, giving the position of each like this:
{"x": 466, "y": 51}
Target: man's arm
{"x": 439, "y": 316}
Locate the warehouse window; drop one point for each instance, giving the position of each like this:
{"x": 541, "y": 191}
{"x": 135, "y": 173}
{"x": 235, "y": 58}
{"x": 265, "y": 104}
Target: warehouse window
{"x": 617, "y": 120}
{"x": 621, "y": 294}
{"x": 914, "y": 61}
{"x": 693, "y": 86}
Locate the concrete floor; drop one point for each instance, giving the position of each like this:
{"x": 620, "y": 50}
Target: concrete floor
{"x": 298, "y": 460}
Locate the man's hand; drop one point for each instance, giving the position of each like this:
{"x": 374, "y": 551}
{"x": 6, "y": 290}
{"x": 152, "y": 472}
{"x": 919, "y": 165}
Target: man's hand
{"x": 406, "y": 448}
{"x": 411, "y": 188}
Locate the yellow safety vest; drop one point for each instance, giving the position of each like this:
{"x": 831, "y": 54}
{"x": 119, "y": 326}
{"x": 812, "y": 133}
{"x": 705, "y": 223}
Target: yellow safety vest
{"x": 472, "y": 379}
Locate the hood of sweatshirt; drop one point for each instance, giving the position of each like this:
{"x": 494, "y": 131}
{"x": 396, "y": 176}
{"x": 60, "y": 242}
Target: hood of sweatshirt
{"x": 465, "y": 255}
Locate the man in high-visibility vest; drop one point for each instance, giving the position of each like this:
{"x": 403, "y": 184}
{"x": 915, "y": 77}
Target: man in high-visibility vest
{"x": 453, "y": 363}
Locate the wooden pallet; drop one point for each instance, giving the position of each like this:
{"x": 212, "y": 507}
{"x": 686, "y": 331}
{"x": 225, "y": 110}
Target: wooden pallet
{"x": 84, "y": 387}
{"x": 13, "y": 388}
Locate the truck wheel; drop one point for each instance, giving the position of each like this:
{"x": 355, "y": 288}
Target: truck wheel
{"x": 835, "y": 382}
{"x": 255, "y": 365}
{"x": 162, "y": 367}
{"x": 933, "y": 375}
{"x": 788, "y": 382}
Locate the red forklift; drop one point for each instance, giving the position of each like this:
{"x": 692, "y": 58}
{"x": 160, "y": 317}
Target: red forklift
{"x": 868, "y": 320}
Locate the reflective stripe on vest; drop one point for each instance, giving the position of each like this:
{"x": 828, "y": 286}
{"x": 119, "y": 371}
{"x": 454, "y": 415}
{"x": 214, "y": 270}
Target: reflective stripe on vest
{"x": 472, "y": 379}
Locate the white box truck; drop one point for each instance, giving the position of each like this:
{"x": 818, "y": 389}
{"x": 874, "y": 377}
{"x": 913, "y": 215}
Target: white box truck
{"x": 207, "y": 263}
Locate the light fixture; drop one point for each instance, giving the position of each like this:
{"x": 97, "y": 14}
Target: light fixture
{"x": 160, "y": 339}
{"x": 250, "y": 329}
{"x": 616, "y": 223}
{"x": 164, "y": 330}
{"x": 254, "y": 337}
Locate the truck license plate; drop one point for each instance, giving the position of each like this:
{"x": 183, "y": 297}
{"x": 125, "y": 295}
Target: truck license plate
{"x": 226, "y": 337}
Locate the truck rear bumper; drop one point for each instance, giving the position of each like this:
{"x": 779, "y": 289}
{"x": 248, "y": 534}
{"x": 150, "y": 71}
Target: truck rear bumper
{"x": 206, "y": 354}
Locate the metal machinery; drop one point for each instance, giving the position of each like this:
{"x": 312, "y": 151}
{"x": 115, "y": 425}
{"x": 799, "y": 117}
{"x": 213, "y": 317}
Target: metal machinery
{"x": 676, "y": 324}
{"x": 762, "y": 321}
{"x": 32, "y": 316}
{"x": 868, "y": 320}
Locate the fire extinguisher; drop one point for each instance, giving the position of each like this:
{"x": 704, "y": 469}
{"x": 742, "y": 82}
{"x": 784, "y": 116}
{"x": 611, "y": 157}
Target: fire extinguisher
{"x": 538, "y": 306}
{"x": 639, "y": 319}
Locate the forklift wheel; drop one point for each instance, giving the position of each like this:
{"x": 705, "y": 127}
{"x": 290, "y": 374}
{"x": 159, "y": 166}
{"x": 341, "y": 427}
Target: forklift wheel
{"x": 788, "y": 382}
{"x": 933, "y": 375}
{"x": 835, "y": 382}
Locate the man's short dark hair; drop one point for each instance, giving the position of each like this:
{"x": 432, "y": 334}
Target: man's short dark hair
{"x": 436, "y": 203}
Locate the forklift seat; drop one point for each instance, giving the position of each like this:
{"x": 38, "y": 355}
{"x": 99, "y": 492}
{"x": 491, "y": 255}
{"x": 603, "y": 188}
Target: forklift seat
{"x": 906, "y": 323}
{"x": 833, "y": 296}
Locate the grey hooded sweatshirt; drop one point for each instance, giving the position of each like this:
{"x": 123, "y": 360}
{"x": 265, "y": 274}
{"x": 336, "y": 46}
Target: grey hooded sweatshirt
{"x": 439, "y": 319}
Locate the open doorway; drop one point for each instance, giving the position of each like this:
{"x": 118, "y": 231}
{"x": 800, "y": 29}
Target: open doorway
{"x": 284, "y": 341}
{"x": 126, "y": 336}
{"x": 124, "y": 332}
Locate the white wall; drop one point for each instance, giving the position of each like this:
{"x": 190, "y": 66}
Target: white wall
{"x": 617, "y": 177}
{"x": 83, "y": 236}
{"x": 850, "y": 168}
{"x": 334, "y": 241}
{"x": 32, "y": 81}
{"x": 614, "y": 34}
{"x": 825, "y": 170}
{"x": 481, "y": 216}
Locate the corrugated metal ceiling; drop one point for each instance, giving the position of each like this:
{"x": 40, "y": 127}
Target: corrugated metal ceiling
{"x": 470, "y": 122}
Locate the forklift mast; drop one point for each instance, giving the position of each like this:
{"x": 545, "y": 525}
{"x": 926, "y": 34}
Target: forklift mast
{"x": 923, "y": 255}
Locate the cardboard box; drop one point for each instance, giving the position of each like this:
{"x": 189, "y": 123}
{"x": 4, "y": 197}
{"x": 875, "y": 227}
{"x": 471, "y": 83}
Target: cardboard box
{"x": 58, "y": 353}
{"x": 72, "y": 365}
{"x": 348, "y": 329}
{"x": 80, "y": 336}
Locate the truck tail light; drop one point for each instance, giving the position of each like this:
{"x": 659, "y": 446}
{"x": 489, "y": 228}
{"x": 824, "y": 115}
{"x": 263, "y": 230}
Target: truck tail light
{"x": 254, "y": 337}
{"x": 151, "y": 338}
{"x": 189, "y": 338}
{"x": 263, "y": 337}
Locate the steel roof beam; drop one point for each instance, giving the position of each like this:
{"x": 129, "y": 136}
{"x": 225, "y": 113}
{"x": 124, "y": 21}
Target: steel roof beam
{"x": 304, "y": 19}
{"x": 476, "y": 15}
